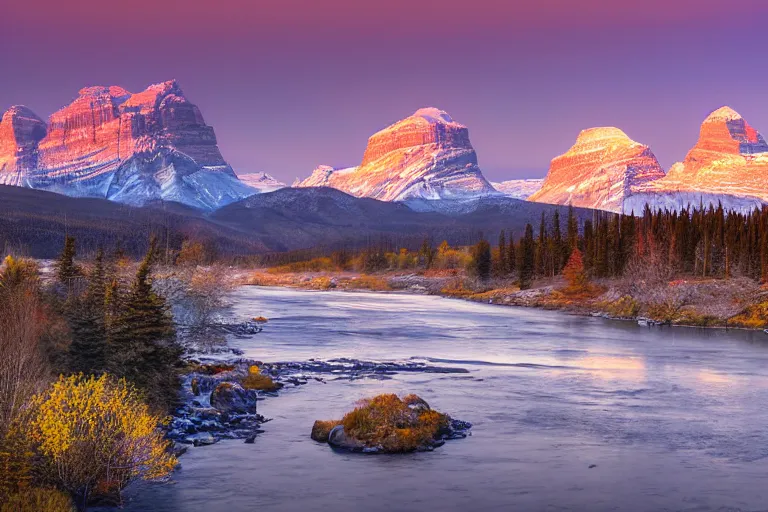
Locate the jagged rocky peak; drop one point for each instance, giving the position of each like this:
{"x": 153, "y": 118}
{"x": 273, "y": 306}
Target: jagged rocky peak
{"x": 724, "y": 130}
{"x": 426, "y": 126}
{"x": 20, "y": 132}
{"x": 601, "y": 170}
{"x": 132, "y": 148}
{"x": 425, "y": 156}
{"x": 729, "y": 163}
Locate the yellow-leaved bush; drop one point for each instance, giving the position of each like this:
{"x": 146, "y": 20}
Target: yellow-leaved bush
{"x": 96, "y": 434}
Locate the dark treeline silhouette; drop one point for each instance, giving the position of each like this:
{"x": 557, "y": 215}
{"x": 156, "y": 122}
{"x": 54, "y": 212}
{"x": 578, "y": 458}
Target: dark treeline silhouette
{"x": 705, "y": 242}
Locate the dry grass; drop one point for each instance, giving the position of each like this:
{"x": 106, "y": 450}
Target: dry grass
{"x": 34, "y": 499}
{"x": 209, "y": 369}
{"x": 314, "y": 265}
{"x": 256, "y": 380}
{"x": 624, "y": 307}
{"x": 752, "y": 317}
{"x": 373, "y": 283}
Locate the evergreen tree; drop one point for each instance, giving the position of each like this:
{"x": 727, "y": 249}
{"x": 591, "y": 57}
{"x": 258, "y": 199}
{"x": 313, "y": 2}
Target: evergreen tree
{"x": 511, "y": 256}
{"x": 527, "y": 258}
{"x": 142, "y": 339}
{"x": 573, "y": 231}
{"x": 481, "y": 259}
{"x": 541, "y": 248}
{"x": 87, "y": 320}
{"x": 503, "y": 265}
{"x": 67, "y": 270}
{"x": 558, "y": 248}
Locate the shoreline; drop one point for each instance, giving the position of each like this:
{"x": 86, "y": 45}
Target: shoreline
{"x": 534, "y": 298}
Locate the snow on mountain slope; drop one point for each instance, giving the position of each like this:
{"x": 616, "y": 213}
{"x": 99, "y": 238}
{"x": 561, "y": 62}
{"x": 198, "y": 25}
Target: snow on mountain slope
{"x": 261, "y": 181}
{"x": 600, "y": 171}
{"x": 132, "y": 148}
{"x": 425, "y": 156}
{"x": 519, "y": 189}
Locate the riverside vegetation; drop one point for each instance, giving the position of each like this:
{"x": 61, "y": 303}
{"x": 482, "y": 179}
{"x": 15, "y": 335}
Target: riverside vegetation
{"x": 700, "y": 267}
{"x": 90, "y": 365}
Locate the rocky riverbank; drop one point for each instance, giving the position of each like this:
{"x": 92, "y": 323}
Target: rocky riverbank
{"x": 690, "y": 301}
{"x": 217, "y": 403}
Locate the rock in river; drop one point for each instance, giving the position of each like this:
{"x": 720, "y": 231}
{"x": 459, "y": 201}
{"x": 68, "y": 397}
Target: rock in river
{"x": 230, "y": 397}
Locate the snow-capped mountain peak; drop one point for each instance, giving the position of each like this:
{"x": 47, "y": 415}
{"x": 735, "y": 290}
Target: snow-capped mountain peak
{"x": 427, "y": 155}
{"x": 132, "y": 148}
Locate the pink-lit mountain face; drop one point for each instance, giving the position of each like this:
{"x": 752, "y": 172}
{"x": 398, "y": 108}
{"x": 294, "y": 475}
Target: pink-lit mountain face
{"x": 425, "y": 156}
{"x": 600, "y": 171}
{"x": 131, "y": 148}
{"x": 606, "y": 170}
{"x": 729, "y": 158}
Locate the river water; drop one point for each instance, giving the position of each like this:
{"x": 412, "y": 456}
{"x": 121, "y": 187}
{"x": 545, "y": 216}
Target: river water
{"x": 668, "y": 418}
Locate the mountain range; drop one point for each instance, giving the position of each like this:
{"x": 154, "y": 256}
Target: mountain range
{"x": 130, "y": 148}
{"x": 154, "y": 145}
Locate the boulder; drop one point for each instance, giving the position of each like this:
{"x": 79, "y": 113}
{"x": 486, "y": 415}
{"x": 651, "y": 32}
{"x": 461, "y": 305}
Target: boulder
{"x": 339, "y": 439}
{"x": 230, "y": 397}
{"x": 322, "y": 429}
{"x": 416, "y": 403}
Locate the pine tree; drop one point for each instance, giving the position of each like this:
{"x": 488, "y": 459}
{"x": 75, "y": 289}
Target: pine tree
{"x": 573, "y": 231}
{"x": 540, "y": 257}
{"x": 511, "y": 256}
{"x": 143, "y": 342}
{"x": 87, "y": 319}
{"x": 527, "y": 258}
{"x": 503, "y": 266}
{"x": 481, "y": 259}
{"x": 66, "y": 269}
{"x": 558, "y": 249}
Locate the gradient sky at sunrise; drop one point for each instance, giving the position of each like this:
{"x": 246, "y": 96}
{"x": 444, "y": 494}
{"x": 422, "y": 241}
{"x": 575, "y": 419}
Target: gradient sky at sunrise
{"x": 290, "y": 84}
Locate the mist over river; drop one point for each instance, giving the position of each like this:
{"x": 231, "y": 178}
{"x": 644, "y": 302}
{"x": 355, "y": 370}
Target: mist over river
{"x": 669, "y": 418}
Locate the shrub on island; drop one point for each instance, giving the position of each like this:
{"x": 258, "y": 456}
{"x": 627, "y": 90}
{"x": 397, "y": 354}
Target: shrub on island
{"x": 388, "y": 424}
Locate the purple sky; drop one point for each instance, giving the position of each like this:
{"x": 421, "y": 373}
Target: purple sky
{"x": 290, "y": 84}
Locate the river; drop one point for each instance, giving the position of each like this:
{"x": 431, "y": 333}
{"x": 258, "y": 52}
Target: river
{"x": 569, "y": 413}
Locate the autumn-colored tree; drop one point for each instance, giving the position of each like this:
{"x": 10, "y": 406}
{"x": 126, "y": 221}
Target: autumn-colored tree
{"x": 574, "y": 271}
{"x": 96, "y": 433}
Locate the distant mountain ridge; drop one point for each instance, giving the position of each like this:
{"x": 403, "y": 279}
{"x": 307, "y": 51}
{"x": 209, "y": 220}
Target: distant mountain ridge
{"x": 728, "y": 165}
{"x": 130, "y": 148}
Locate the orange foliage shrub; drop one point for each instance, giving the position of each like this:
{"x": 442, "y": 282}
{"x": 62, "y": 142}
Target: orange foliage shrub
{"x": 389, "y": 422}
{"x": 373, "y": 283}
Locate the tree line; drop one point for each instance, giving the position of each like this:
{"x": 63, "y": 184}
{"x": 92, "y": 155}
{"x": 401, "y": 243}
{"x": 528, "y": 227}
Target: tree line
{"x": 708, "y": 242}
